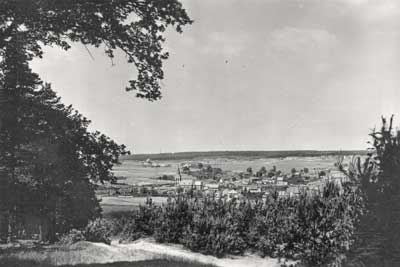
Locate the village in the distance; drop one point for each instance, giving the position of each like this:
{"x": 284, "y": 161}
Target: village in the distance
{"x": 202, "y": 179}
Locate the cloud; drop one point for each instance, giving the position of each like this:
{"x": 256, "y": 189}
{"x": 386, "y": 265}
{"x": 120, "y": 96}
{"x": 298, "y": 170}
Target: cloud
{"x": 373, "y": 10}
{"x": 382, "y": 10}
{"x": 302, "y": 41}
{"x": 303, "y": 51}
{"x": 223, "y": 43}
{"x": 353, "y": 2}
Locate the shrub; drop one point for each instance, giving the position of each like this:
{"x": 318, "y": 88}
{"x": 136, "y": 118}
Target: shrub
{"x": 215, "y": 228}
{"x": 173, "y": 219}
{"x": 314, "y": 228}
{"x": 118, "y": 222}
{"x": 275, "y": 226}
{"x": 72, "y": 237}
{"x": 98, "y": 230}
{"x": 378, "y": 177}
{"x": 141, "y": 222}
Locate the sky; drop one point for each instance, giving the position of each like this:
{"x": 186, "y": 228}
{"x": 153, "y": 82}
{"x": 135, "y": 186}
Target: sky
{"x": 248, "y": 75}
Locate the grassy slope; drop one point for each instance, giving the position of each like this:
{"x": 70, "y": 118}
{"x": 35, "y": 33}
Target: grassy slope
{"x": 86, "y": 254}
{"x": 144, "y": 252}
{"x": 11, "y": 262}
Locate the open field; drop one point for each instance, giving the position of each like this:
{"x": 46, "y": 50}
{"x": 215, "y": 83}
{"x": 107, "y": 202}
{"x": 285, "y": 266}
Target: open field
{"x": 135, "y": 173}
{"x": 115, "y": 204}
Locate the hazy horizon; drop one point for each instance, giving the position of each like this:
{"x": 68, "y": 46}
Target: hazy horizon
{"x": 189, "y": 151}
{"x": 248, "y": 76}
{"x": 234, "y": 151}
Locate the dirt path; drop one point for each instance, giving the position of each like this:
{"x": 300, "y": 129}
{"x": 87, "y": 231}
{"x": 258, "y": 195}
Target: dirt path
{"x": 147, "y": 249}
{"x": 141, "y": 250}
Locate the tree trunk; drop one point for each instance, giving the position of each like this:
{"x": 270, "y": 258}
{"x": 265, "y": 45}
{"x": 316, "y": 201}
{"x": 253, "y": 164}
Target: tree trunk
{"x": 3, "y": 174}
{"x": 3, "y": 100}
{"x": 8, "y": 159}
{"x": 51, "y": 229}
{"x": 41, "y": 237}
{"x": 8, "y": 123}
{"x": 9, "y": 227}
{"x": 11, "y": 222}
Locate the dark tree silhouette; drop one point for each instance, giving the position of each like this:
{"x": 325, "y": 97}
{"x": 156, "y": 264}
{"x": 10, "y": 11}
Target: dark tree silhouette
{"x": 377, "y": 176}
{"x": 135, "y": 27}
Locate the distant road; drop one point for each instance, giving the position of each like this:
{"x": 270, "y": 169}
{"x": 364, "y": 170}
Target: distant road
{"x": 246, "y": 154}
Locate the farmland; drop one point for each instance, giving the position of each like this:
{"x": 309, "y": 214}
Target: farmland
{"x": 134, "y": 173}
{"x": 222, "y": 205}
{"x": 114, "y": 204}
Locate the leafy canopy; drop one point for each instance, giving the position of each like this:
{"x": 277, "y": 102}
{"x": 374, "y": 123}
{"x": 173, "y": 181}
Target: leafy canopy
{"x": 134, "y": 26}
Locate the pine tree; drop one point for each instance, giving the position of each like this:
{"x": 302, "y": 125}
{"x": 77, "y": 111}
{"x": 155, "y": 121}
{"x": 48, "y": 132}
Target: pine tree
{"x": 37, "y": 132}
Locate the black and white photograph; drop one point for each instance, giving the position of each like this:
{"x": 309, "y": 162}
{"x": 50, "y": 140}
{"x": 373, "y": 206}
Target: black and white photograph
{"x": 199, "y": 133}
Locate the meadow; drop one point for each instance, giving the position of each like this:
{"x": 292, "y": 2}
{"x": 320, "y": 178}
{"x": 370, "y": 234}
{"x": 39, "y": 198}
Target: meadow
{"x": 115, "y": 204}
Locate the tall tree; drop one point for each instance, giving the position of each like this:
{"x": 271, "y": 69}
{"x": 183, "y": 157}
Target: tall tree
{"x": 378, "y": 178}
{"x": 68, "y": 163}
{"x": 57, "y": 164}
{"x": 134, "y": 26}
{"x": 16, "y": 80}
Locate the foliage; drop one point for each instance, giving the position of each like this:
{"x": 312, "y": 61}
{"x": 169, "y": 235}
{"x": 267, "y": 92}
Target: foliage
{"x": 216, "y": 228}
{"x": 261, "y": 172}
{"x": 98, "y": 230}
{"x": 141, "y": 222}
{"x": 167, "y": 177}
{"x": 135, "y": 27}
{"x": 378, "y": 177}
{"x": 315, "y": 228}
{"x": 249, "y": 170}
{"x": 46, "y": 150}
{"x": 57, "y": 161}
{"x": 71, "y": 237}
{"x": 205, "y": 172}
{"x": 172, "y": 220}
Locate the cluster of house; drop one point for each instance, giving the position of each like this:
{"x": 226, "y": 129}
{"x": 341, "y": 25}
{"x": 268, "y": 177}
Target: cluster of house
{"x": 231, "y": 185}
{"x": 284, "y": 185}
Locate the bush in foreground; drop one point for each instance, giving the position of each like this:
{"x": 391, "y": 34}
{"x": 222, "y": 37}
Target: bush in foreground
{"x": 314, "y": 228}
{"x": 98, "y": 230}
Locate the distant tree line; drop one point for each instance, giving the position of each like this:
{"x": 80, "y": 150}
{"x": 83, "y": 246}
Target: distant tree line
{"x": 204, "y": 172}
{"x": 245, "y": 154}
